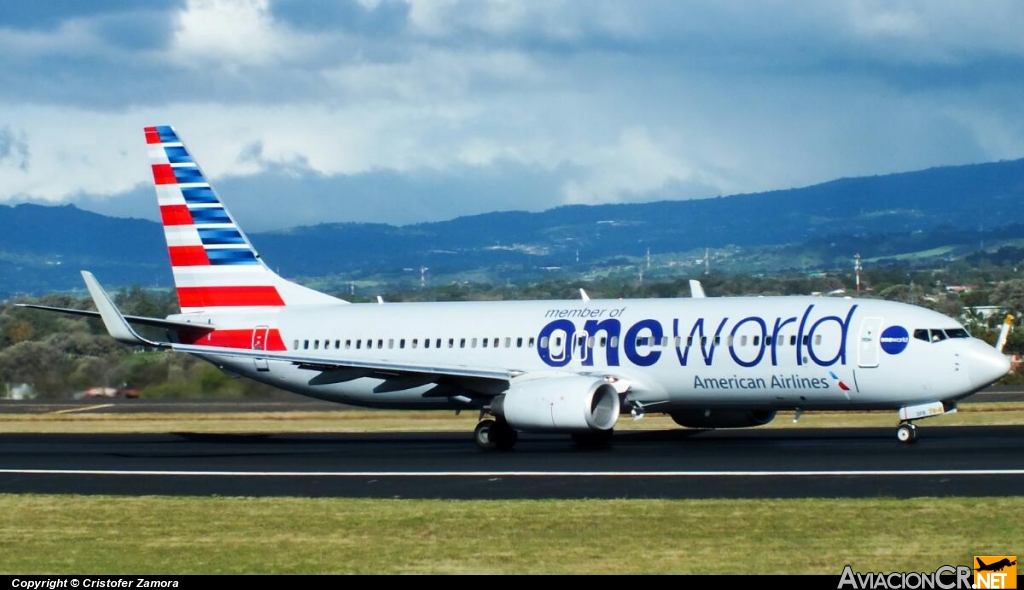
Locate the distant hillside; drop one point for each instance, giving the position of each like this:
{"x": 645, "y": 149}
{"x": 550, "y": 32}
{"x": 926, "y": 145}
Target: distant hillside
{"x": 43, "y": 248}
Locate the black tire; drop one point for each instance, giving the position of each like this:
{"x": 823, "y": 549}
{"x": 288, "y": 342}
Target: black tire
{"x": 503, "y": 435}
{"x": 906, "y": 433}
{"x": 495, "y": 435}
{"x": 482, "y": 435}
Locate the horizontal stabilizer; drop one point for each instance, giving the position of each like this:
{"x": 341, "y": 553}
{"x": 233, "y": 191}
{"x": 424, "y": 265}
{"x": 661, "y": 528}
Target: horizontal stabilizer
{"x": 131, "y": 319}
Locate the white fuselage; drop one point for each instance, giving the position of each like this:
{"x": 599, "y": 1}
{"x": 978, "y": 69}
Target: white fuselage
{"x": 763, "y": 352}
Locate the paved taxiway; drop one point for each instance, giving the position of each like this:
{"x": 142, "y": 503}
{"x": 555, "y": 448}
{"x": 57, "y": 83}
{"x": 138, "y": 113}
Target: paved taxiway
{"x": 756, "y": 463}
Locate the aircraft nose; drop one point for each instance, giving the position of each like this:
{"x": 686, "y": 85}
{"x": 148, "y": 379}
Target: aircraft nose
{"x": 986, "y": 365}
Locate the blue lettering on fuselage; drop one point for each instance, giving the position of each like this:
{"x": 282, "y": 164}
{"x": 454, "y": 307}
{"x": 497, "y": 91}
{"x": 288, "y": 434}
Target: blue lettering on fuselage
{"x": 750, "y": 341}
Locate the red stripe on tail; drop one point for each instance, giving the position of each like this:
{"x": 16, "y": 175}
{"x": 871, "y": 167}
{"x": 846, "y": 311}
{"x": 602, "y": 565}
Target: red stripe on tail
{"x": 151, "y": 135}
{"x": 228, "y": 296}
{"x": 188, "y": 256}
{"x": 163, "y": 174}
{"x": 175, "y": 215}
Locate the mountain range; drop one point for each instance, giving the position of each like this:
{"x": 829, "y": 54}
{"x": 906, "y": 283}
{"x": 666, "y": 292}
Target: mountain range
{"x": 43, "y": 248}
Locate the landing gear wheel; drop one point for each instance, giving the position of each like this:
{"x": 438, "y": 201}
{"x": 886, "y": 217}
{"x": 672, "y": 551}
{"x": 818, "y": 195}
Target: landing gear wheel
{"x": 595, "y": 439}
{"x": 906, "y": 433}
{"x": 495, "y": 435}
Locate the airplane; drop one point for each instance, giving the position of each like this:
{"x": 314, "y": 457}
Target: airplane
{"x": 570, "y": 367}
{"x": 996, "y": 566}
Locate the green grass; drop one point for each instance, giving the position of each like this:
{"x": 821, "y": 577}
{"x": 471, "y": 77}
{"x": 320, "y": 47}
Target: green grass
{"x": 98, "y": 534}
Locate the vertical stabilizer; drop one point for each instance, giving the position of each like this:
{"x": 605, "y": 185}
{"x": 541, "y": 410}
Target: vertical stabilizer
{"x": 215, "y": 267}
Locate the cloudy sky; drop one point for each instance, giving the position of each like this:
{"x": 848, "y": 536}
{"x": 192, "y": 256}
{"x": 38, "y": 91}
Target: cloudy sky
{"x": 305, "y": 111}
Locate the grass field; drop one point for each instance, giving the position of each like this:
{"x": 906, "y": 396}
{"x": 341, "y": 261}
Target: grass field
{"x": 62, "y": 534}
{"x": 180, "y": 535}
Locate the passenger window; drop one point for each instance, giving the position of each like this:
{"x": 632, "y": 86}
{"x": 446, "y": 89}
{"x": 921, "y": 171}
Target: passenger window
{"x": 295, "y": 345}
{"x": 757, "y": 341}
{"x": 531, "y": 342}
{"x": 415, "y": 341}
{"x": 496, "y": 343}
{"x": 401, "y": 343}
{"x": 369, "y": 343}
{"x": 591, "y": 341}
{"x": 451, "y": 343}
{"x": 380, "y": 343}
{"x": 558, "y": 342}
{"x": 484, "y": 343}
{"x": 305, "y": 344}
{"x": 438, "y": 343}
{"x": 544, "y": 342}
{"x": 614, "y": 342}
{"x": 689, "y": 341}
{"x": 920, "y": 334}
{"x": 792, "y": 340}
{"x": 519, "y": 342}
{"x": 767, "y": 340}
{"x": 337, "y": 344}
{"x": 743, "y": 340}
{"x": 316, "y": 345}
{"x": 462, "y": 343}
{"x": 678, "y": 340}
{"x": 359, "y": 344}
{"x": 664, "y": 341}
{"x": 508, "y": 342}
{"x": 391, "y": 342}
{"x": 472, "y": 343}
{"x": 806, "y": 340}
{"x": 817, "y": 339}
{"x": 426, "y": 343}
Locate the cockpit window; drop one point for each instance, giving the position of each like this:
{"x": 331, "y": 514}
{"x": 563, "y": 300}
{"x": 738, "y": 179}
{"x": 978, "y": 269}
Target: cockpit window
{"x": 937, "y": 335}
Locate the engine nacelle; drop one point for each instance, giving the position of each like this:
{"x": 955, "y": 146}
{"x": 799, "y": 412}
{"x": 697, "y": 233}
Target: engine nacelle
{"x": 722, "y": 418}
{"x": 559, "y": 404}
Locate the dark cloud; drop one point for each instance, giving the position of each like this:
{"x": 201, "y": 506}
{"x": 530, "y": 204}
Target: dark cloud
{"x": 13, "y": 149}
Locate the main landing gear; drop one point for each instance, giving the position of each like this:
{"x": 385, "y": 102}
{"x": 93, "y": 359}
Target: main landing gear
{"x": 495, "y": 435}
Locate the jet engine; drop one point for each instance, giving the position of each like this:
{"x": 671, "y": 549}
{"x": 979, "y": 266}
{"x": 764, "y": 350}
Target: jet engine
{"x": 559, "y": 404}
{"x": 722, "y": 418}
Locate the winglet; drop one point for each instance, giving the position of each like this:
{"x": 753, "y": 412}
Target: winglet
{"x": 584, "y": 296}
{"x": 1004, "y": 331}
{"x": 696, "y": 289}
{"x": 115, "y": 323}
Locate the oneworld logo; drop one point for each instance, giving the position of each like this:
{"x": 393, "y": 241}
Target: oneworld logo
{"x": 894, "y": 339}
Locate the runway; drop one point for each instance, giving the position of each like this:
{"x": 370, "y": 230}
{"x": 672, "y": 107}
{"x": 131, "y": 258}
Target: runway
{"x": 766, "y": 463}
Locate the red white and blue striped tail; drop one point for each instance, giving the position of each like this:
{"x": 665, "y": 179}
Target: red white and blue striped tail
{"x": 215, "y": 267}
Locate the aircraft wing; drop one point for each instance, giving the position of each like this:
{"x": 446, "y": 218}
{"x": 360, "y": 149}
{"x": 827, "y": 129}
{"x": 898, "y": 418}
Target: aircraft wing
{"x": 120, "y": 329}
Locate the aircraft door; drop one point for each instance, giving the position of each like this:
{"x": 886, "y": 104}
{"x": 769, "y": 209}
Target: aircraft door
{"x": 867, "y": 343}
{"x": 259, "y": 342}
